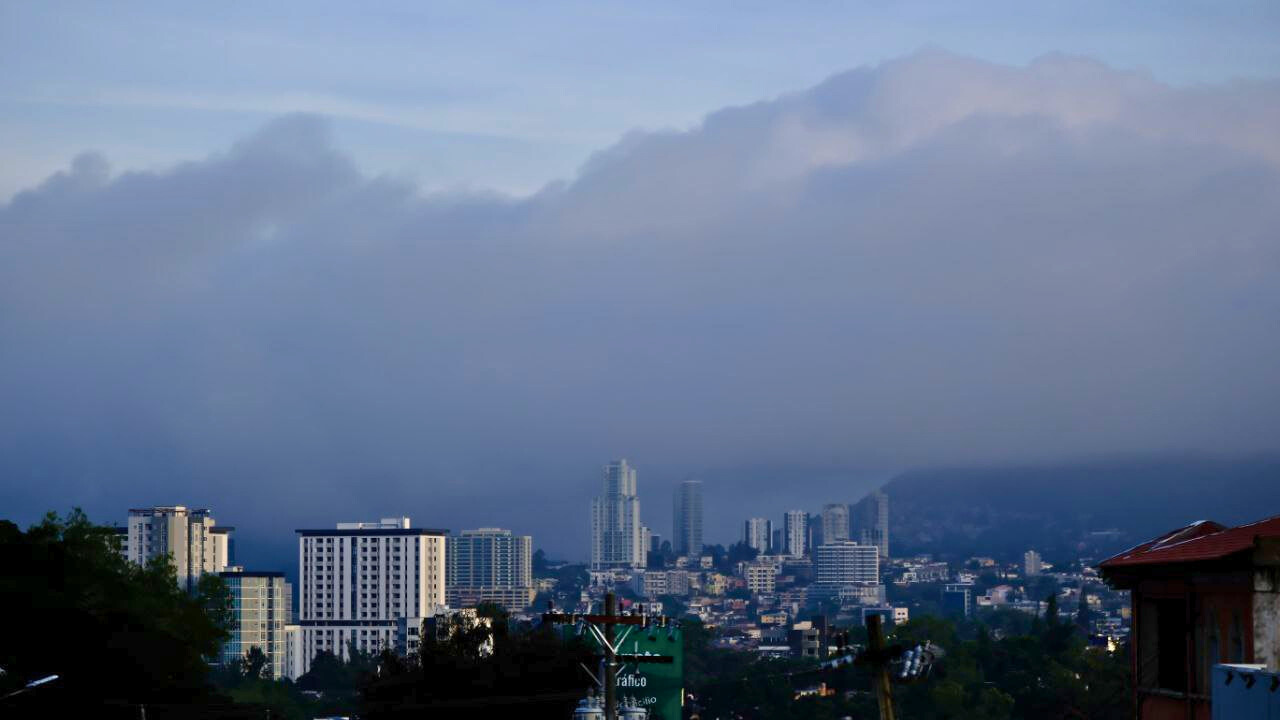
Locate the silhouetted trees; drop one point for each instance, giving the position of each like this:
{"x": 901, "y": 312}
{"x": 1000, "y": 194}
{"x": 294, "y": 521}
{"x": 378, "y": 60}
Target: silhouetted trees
{"x": 117, "y": 635}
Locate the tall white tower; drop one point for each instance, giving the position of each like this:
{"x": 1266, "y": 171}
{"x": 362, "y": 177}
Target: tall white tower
{"x": 617, "y": 536}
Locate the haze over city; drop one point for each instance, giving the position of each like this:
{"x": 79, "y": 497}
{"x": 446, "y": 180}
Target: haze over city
{"x": 450, "y": 269}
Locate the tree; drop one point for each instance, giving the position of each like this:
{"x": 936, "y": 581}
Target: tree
{"x": 115, "y": 632}
{"x": 253, "y": 666}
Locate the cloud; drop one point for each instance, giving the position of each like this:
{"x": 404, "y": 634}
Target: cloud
{"x": 934, "y": 260}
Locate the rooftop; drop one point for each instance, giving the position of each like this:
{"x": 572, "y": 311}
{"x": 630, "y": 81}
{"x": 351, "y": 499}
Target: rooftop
{"x": 1200, "y": 541}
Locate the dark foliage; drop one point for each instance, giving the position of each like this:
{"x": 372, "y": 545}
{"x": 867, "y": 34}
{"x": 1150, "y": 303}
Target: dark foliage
{"x": 533, "y": 672}
{"x": 117, "y": 635}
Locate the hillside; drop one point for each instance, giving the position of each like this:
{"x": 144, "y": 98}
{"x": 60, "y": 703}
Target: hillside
{"x": 1064, "y": 510}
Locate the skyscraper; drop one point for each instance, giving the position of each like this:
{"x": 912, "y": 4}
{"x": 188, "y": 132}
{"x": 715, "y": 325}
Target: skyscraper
{"x": 757, "y": 533}
{"x": 835, "y": 523}
{"x": 617, "y": 536}
{"x": 357, "y": 581}
{"x": 795, "y": 532}
{"x": 872, "y": 514}
{"x": 187, "y": 536}
{"x": 687, "y": 518}
{"x": 489, "y": 565}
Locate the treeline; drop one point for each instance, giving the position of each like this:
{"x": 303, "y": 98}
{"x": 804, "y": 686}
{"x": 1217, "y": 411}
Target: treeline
{"x": 1008, "y": 666}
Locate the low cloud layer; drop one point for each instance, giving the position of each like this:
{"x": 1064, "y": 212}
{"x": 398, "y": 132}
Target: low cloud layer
{"x": 936, "y": 260}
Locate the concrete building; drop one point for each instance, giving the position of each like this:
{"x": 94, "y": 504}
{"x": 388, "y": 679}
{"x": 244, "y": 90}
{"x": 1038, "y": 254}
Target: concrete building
{"x": 808, "y": 639}
{"x": 845, "y": 563}
{"x": 760, "y": 577}
{"x": 617, "y": 535}
{"x": 489, "y": 565}
{"x": 835, "y": 523}
{"x": 757, "y": 533}
{"x": 357, "y": 580}
{"x": 872, "y": 514}
{"x": 261, "y": 606}
{"x": 292, "y": 651}
{"x": 687, "y": 518}
{"x": 1032, "y": 563}
{"x": 795, "y": 533}
{"x": 1200, "y": 595}
{"x": 189, "y": 537}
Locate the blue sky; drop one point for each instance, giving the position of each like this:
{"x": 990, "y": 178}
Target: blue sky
{"x": 508, "y": 96}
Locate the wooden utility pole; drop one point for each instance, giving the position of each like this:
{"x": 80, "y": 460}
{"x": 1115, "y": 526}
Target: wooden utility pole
{"x": 607, "y": 622}
{"x": 879, "y": 660}
{"x": 610, "y": 660}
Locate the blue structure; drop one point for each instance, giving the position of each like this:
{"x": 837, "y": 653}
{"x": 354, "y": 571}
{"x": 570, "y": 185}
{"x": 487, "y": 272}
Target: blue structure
{"x": 1245, "y": 692}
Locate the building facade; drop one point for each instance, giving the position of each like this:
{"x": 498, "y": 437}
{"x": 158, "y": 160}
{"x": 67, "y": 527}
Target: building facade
{"x": 795, "y": 533}
{"x": 261, "y": 606}
{"x": 844, "y": 563}
{"x": 489, "y": 565}
{"x": 760, "y": 577}
{"x": 190, "y": 537}
{"x": 873, "y": 521}
{"x": 835, "y": 523}
{"x": 617, "y": 535}
{"x": 757, "y": 533}
{"x": 687, "y": 518}
{"x": 357, "y": 580}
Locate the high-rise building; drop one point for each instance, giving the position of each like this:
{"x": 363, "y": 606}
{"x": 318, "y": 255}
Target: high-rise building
{"x": 260, "y": 609}
{"x": 687, "y": 518}
{"x": 835, "y": 523}
{"x": 757, "y": 533}
{"x": 489, "y": 565}
{"x": 1032, "y": 564}
{"x": 187, "y": 536}
{"x": 842, "y": 563}
{"x": 617, "y": 536}
{"x": 356, "y": 582}
{"x": 872, "y": 519}
{"x": 795, "y": 533}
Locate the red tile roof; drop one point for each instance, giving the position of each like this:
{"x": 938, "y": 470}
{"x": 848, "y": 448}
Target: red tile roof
{"x": 1204, "y": 540}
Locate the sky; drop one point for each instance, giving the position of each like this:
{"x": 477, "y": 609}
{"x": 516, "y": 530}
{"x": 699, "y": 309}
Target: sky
{"x": 303, "y": 265}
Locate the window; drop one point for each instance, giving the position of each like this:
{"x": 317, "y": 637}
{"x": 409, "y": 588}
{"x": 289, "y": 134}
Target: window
{"x": 1162, "y": 651}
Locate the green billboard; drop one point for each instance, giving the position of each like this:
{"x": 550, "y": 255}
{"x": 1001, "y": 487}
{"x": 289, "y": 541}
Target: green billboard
{"x": 657, "y": 687}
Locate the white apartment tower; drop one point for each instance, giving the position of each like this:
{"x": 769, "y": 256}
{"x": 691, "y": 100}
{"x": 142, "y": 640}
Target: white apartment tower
{"x": 687, "y": 519}
{"x": 489, "y": 565}
{"x": 189, "y": 537}
{"x": 356, "y": 581}
{"x": 757, "y": 533}
{"x": 845, "y": 563}
{"x": 795, "y": 532}
{"x": 617, "y": 536}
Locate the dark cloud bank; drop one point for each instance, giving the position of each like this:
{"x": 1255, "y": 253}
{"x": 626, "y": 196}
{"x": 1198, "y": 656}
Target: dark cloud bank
{"x": 933, "y": 261}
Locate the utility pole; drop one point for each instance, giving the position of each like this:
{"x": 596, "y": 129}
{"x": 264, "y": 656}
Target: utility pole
{"x": 606, "y": 637}
{"x": 610, "y": 660}
{"x": 879, "y": 661}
